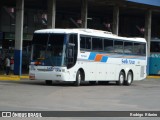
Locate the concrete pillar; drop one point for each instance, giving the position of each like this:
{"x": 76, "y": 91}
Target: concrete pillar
{"x": 51, "y": 18}
{"x": 18, "y": 37}
{"x": 148, "y": 24}
{"x": 115, "y": 26}
{"x": 84, "y": 13}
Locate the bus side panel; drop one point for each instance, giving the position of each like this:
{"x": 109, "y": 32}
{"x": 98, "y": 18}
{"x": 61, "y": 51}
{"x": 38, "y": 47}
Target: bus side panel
{"x": 102, "y": 70}
{"x": 96, "y": 71}
{"x": 89, "y": 69}
{"x": 105, "y": 72}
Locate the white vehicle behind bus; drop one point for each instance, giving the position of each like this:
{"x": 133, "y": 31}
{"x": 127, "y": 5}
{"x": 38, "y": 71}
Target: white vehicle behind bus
{"x": 87, "y": 55}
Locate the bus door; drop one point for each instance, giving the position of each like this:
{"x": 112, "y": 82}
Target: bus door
{"x": 72, "y": 50}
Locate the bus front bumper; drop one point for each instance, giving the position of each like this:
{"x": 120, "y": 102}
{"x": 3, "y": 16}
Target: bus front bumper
{"x": 54, "y": 76}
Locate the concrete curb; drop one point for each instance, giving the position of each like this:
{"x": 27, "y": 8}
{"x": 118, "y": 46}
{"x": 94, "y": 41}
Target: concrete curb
{"x": 13, "y": 77}
{"x": 153, "y": 77}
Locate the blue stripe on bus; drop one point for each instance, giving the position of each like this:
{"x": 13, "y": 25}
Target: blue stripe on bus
{"x": 92, "y": 56}
{"x": 104, "y": 59}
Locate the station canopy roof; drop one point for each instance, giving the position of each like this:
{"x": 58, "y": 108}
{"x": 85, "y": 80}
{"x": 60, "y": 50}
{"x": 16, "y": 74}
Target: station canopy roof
{"x": 147, "y": 2}
{"x": 93, "y": 5}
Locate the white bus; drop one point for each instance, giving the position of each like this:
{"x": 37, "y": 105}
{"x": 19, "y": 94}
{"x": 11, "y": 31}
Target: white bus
{"x": 86, "y": 55}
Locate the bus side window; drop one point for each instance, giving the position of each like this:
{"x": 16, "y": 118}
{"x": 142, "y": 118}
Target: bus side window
{"x": 108, "y": 45}
{"x": 118, "y": 46}
{"x": 82, "y": 42}
{"x": 97, "y": 44}
{"x": 143, "y": 49}
{"x": 139, "y": 49}
{"x": 85, "y": 43}
{"x": 88, "y": 43}
{"x": 128, "y": 47}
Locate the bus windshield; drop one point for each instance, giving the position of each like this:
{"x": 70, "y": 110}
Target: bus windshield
{"x": 48, "y": 49}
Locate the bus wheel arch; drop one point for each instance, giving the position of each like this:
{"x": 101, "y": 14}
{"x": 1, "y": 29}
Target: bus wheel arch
{"x": 82, "y": 73}
{"x": 80, "y": 76}
{"x": 121, "y": 78}
{"x": 129, "y": 78}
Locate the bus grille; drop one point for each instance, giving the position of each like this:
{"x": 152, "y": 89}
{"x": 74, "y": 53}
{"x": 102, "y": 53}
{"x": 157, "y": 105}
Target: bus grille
{"x": 142, "y": 71}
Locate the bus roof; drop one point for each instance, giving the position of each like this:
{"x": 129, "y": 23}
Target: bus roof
{"x": 91, "y": 32}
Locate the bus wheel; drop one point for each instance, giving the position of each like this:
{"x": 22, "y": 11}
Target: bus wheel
{"x": 129, "y": 78}
{"x": 48, "y": 82}
{"x": 121, "y": 78}
{"x": 78, "y": 79}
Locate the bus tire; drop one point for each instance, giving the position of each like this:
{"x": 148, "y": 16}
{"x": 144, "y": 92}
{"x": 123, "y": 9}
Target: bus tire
{"x": 121, "y": 78}
{"x": 78, "y": 79}
{"x": 129, "y": 79}
{"x": 48, "y": 82}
